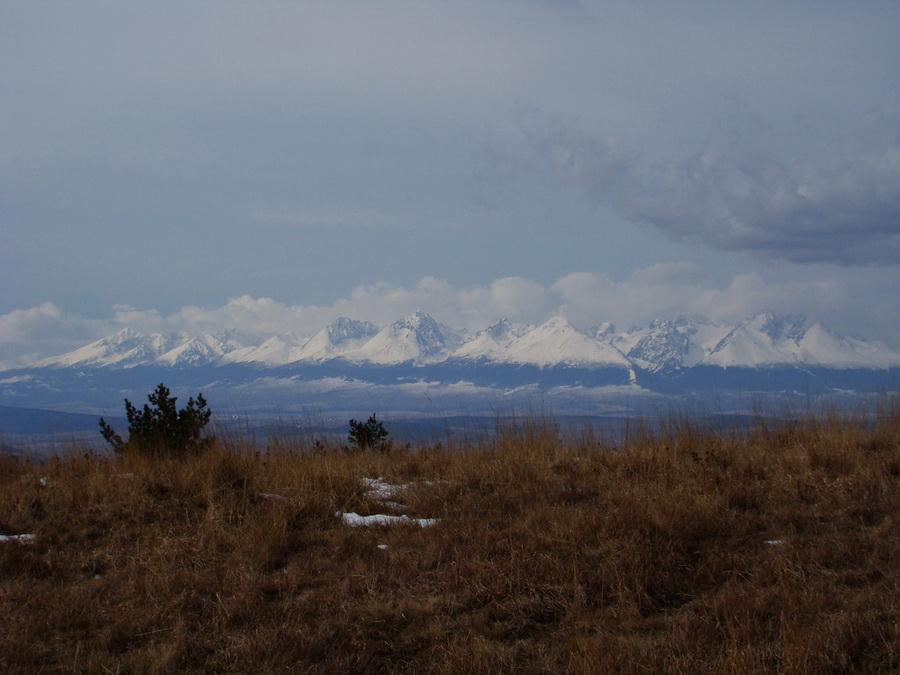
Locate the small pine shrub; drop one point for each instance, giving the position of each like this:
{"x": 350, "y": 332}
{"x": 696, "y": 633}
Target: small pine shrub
{"x": 161, "y": 427}
{"x": 369, "y": 435}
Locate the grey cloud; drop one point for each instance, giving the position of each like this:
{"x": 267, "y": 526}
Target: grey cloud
{"x": 846, "y": 211}
{"x": 840, "y": 203}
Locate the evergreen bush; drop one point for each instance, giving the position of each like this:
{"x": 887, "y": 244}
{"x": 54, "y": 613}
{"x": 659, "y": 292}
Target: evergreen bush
{"x": 370, "y": 434}
{"x": 160, "y": 427}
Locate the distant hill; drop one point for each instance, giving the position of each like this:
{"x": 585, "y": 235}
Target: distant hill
{"x": 15, "y": 421}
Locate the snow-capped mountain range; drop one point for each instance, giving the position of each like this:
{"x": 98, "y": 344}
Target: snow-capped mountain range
{"x": 664, "y": 346}
{"x": 417, "y": 367}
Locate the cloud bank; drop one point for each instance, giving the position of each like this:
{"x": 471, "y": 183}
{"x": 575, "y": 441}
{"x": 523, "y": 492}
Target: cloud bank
{"x": 587, "y": 299}
{"x": 834, "y": 199}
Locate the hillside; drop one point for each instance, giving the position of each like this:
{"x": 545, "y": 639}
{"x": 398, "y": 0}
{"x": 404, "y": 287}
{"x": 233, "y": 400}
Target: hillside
{"x": 771, "y": 550}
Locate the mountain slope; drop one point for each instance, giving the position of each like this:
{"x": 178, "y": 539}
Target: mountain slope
{"x": 491, "y": 343}
{"x": 123, "y": 349}
{"x": 341, "y": 337}
{"x": 417, "y": 338}
{"x": 275, "y": 351}
{"x": 200, "y": 350}
{"x": 558, "y": 342}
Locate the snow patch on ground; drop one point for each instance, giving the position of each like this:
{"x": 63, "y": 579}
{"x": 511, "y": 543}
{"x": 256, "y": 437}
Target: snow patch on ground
{"x": 356, "y": 520}
{"x": 21, "y": 538}
{"x": 380, "y": 491}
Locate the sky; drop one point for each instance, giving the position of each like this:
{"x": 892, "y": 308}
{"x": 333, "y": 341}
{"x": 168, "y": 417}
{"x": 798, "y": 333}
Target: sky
{"x": 269, "y": 166}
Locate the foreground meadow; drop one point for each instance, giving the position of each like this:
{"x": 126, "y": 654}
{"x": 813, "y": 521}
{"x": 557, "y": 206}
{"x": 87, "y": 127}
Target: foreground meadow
{"x": 683, "y": 550}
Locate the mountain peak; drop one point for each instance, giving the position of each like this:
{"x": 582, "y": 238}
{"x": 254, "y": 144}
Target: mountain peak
{"x": 417, "y": 319}
{"x": 500, "y": 328}
{"x": 663, "y": 347}
{"x": 556, "y": 323}
{"x": 126, "y": 333}
{"x": 764, "y": 339}
{"x": 417, "y": 338}
{"x": 779, "y": 326}
{"x": 342, "y": 330}
{"x": 604, "y": 331}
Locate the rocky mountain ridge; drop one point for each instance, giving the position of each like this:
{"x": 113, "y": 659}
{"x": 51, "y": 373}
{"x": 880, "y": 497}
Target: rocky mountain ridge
{"x": 663, "y": 346}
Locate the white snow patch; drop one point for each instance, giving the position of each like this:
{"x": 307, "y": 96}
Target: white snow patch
{"x": 356, "y": 520}
{"x": 379, "y": 489}
{"x": 43, "y": 481}
{"x": 22, "y": 538}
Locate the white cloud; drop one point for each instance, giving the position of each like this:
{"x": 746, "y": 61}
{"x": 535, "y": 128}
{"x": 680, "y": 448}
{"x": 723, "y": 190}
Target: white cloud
{"x": 245, "y": 314}
{"x": 511, "y": 298}
{"x": 657, "y": 291}
{"x": 384, "y": 302}
{"x": 28, "y": 334}
{"x": 749, "y": 293}
{"x": 681, "y": 289}
{"x": 150, "y": 321}
{"x": 19, "y": 325}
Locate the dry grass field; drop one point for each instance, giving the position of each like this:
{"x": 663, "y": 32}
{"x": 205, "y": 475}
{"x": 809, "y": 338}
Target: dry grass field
{"x": 682, "y": 550}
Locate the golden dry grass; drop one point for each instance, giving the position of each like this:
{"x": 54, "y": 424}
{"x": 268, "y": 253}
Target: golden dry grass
{"x": 683, "y": 551}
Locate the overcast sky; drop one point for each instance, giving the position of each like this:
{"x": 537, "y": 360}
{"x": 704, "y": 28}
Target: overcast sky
{"x": 270, "y": 166}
